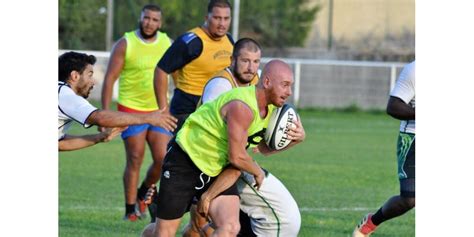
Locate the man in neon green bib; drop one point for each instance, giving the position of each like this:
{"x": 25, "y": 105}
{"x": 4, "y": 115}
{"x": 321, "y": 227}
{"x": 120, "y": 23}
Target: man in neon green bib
{"x": 133, "y": 58}
{"x": 212, "y": 138}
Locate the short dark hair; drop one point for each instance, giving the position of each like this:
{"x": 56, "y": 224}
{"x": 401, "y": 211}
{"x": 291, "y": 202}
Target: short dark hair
{"x": 246, "y": 43}
{"x": 218, "y": 3}
{"x": 152, "y": 7}
{"x": 73, "y": 61}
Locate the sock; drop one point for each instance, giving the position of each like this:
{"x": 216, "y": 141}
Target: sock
{"x": 378, "y": 217}
{"x": 142, "y": 191}
{"x": 129, "y": 208}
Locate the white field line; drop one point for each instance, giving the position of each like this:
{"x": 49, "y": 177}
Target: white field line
{"x": 302, "y": 209}
{"x": 334, "y": 209}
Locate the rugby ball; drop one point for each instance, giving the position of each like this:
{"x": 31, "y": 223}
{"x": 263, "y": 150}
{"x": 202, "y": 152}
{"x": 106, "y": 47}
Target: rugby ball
{"x": 279, "y": 123}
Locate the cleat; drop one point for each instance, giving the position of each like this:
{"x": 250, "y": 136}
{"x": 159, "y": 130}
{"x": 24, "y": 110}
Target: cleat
{"x": 141, "y": 207}
{"x": 131, "y": 217}
{"x": 365, "y": 227}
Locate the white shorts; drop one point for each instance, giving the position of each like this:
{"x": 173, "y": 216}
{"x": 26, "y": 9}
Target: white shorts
{"x": 272, "y": 209}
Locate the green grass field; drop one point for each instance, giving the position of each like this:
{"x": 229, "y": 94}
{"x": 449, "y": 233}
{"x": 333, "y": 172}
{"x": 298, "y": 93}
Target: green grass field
{"x": 345, "y": 168}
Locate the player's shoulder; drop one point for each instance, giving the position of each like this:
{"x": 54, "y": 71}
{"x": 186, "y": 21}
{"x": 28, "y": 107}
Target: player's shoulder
{"x": 189, "y": 37}
{"x": 219, "y": 81}
{"x": 164, "y": 35}
{"x": 230, "y": 38}
{"x": 127, "y": 36}
{"x": 408, "y": 73}
{"x": 120, "y": 45}
{"x": 64, "y": 89}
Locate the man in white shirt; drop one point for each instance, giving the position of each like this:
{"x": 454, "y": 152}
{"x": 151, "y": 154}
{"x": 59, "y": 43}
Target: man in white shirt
{"x": 401, "y": 105}
{"x": 74, "y": 86}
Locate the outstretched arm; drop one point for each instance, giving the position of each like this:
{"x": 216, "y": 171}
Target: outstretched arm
{"x": 70, "y": 142}
{"x": 108, "y": 118}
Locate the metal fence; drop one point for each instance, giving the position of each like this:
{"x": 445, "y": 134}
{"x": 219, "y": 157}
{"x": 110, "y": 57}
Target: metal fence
{"x": 318, "y": 83}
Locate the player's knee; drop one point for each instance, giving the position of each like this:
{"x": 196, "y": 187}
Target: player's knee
{"x": 292, "y": 227}
{"x": 134, "y": 159}
{"x": 135, "y": 156}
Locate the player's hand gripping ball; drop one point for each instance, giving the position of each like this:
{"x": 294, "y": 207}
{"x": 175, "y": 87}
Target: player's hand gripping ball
{"x": 281, "y": 120}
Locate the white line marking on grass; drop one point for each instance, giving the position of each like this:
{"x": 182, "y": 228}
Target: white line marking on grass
{"x": 302, "y": 209}
{"x": 89, "y": 208}
{"x": 334, "y": 209}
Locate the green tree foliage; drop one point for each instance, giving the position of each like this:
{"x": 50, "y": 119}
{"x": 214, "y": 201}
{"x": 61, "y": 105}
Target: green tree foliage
{"x": 274, "y": 23}
{"x": 277, "y": 23}
{"x": 178, "y": 16}
{"x": 82, "y": 24}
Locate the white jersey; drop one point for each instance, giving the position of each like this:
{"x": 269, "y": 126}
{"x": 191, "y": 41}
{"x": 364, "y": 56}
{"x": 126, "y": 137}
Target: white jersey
{"x": 214, "y": 88}
{"x": 71, "y": 107}
{"x": 272, "y": 209}
{"x": 405, "y": 90}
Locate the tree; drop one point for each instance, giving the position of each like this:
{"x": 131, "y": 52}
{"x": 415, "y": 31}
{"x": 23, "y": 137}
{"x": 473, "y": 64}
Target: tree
{"x": 82, "y": 24}
{"x": 273, "y": 23}
{"x": 277, "y": 23}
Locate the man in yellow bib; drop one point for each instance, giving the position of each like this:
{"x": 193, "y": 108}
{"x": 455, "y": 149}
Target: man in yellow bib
{"x": 194, "y": 58}
{"x": 212, "y": 138}
{"x": 133, "y": 58}
{"x": 269, "y": 211}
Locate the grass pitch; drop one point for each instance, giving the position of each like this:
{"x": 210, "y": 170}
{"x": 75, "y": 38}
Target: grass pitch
{"x": 345, "y": 168}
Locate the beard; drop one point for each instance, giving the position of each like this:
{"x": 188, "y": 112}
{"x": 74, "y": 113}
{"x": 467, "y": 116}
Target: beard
{"x": 145, "y": 35}
{"x": 241, "y": 77}
{"x": 88, "y": 92}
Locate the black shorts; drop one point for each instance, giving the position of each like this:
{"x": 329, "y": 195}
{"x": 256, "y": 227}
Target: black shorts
{"x": 180, "y": 182}
{"x": 181, "y": 106}
{"x": 406, "y": 164}
{"x": 183, "y": 103}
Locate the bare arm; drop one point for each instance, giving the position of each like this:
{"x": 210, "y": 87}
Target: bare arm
{"x": 114, "y": 68}
{"x": 224, "y": 181}
{"x": 161, "y": 87}
{"x": 174, "y": 76}
{"x": 70, "y": 142}
{"x": 398, "y": 109}
{"x": 238, "y": 117}
{"x": 109, "y": 118}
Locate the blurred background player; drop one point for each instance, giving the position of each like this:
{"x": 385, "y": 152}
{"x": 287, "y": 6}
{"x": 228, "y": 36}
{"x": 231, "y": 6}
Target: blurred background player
{"x": 196, "y": 56}
{"x": 133, "y": 59}
{"x": 269, "y": 211}
{"x": 193, "y": 58}
{"x": 75, "y": 83}
{"x": 401, "y": 105}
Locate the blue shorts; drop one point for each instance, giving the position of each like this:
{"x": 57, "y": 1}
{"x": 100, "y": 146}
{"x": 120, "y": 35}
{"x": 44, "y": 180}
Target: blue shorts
{"x": 133, "y": 130}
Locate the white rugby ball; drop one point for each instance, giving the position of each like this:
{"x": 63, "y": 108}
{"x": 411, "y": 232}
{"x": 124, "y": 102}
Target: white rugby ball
{"x": 280, "y": 122}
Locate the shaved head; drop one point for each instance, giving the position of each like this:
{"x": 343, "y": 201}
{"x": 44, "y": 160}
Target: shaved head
{"x": 276, "y": 82}
{"x": 276, "y": 69}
